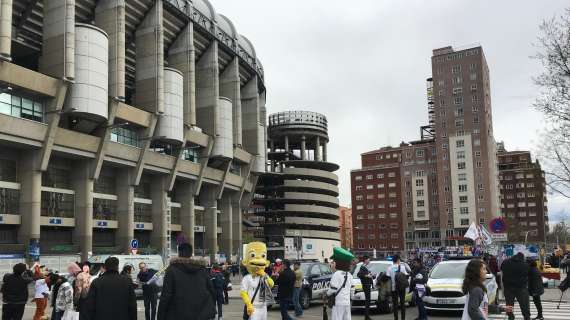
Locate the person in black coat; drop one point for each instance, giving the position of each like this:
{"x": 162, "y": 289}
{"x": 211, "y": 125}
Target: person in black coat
{"x": 419, "y": 278}
{"x": 366, "y": 279}
{"x": 15, "y": 292}
{"x": 111, "y": 296}
{"x": 515, "y": 281}
{"x": 285, "y": 284}
{"x": 187, "y": 292}
{"x": 535, "y": 287}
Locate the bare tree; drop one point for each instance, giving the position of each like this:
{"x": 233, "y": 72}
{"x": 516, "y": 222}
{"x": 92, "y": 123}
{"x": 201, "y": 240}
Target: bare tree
{"x": 554, "y": 100}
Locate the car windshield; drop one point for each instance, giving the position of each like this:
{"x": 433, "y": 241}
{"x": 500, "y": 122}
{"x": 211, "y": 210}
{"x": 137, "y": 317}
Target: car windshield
{"x": 305, "y": 268}
{"x": 448, "y": 271}
{"x": 375, "y": 268}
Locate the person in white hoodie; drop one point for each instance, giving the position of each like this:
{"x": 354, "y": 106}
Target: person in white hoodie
{"x": 340, "y": 284}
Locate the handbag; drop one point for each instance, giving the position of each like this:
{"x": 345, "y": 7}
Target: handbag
{"x": 245, "y": 315}
{"x": 70, "y": 315}
{"x": 331, "y": 301}
{"x": 229, "y": 287}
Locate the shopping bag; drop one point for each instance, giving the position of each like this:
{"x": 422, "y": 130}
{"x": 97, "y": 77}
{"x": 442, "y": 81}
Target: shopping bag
{"x": 70, "y": 315}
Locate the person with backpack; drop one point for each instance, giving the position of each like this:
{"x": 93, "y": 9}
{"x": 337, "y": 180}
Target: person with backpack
{"x": 338, "y": 294}
{"x": 535, "y": 287}
{"x": 219, "y": 283}
{"x": 15, "y": 292}
{"x": 398, "y": 273}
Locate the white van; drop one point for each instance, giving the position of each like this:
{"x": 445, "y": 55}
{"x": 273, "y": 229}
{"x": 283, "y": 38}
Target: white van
{"x": 152, "y": 262}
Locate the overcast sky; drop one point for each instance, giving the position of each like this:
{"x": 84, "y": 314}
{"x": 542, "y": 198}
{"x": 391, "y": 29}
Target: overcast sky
{"x": 363, "y": 63}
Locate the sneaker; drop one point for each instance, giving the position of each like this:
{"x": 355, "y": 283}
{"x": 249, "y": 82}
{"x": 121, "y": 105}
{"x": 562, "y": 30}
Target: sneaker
{"x": 538, "y": 318}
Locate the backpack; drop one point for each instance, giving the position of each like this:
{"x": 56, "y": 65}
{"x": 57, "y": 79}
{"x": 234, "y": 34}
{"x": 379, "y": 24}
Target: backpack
{"x": 219, "y": 281}
{"x": 401, "y": 280}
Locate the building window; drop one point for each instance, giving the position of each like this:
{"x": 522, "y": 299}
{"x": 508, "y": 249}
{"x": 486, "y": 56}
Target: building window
{"x": 380, "y": 176}
{"x": 464, "y": 210}
{"x": 474, "y": 87}
{"x": 479, "y": 164}
{"x": 359, "y": 197}
{"x": 456, "y": 80}
{"x": 393, "y": 215}
{"x": 125, "y": 136}
{"x": 381, "y": 216}
{"x": 456, "y": 69}
{"x": 391, "y": 174}
{"x": 357, "y": 188}
{"x": 369, "y": 196}
{"x": 392, "y": 195}
{"x": 462, "y": 188}
{"x": 359, "y": 207}
{"x": 359, "y": 217}
{"x": 480, "y": 187}
{"x": 460, "y": 143}
{"x": 420, "y": 193}
{"x": 459, "y": 123}
{"x": 472, "y": 76}
{"x": 192, "y": 154}
{"x": 391, "y": 185}
{"x": 461, "y": 165}
{"x": 358, "y": 178}
{"x": 475, "y": 108}
{"x": 21, "y": 107}
{"x": 55, "y": 204}
{"x": 477, "y": 142}
{"x": 381, "y": 206}
{"x": 458, "y": 100}
{"x": 9, "y": 201}
{"x": 104, "y": 209}
{"x": 463, "y": 199}
{"x": 369, "y": 206}
{"x": 420, "y": 203}
{"x": 480, "y": 198}
{"x": 472, "y": 67}
{"x": 380, "y": 186}
{"x": 369, "y": 177}
{"x": 381, "y": 196}
{"x": 464, "y": 222}
{"x": 369, "y": 187}
{"x": 419, "y": 153}
{"x": 393, "y": 205}
{"x": 457, "y": 90}
{"x": 419, "y": 182}
{"x": 459, "y": 112}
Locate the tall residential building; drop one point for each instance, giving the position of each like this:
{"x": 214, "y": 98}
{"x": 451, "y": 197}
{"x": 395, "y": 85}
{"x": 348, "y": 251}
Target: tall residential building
{"x": 376, "y": 191}
{"x": 102, "y": 143}
{"x": 466, "y": 149}
{"x": 345, "y": 226}
{"x": 523, "y": 196}
{"x": 297, "y": 199}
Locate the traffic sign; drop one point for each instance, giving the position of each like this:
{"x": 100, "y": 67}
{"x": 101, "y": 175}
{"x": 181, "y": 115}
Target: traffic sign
{"x": 499, "y": 237}
{"x": 498, "y": 225}
{"x": 134, "y": 244}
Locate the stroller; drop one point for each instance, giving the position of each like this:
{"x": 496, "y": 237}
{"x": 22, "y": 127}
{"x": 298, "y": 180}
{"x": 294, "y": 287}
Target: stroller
{"x": 564, "y": 285}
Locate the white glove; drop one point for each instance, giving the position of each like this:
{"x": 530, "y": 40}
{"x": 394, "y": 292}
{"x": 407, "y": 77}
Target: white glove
{"x": 419, "y": 276}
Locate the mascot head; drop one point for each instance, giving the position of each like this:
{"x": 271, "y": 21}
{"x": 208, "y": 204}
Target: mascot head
{"x": 255, "y": 257}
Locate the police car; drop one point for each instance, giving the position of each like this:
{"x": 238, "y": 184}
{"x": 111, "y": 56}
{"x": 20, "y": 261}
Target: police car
{"x": 444, "y": 286}
{"x": 316, "y": 281}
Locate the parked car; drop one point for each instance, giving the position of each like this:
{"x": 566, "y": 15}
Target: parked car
{"x": 316, "y": 281}
{"x": 444, "y": 286}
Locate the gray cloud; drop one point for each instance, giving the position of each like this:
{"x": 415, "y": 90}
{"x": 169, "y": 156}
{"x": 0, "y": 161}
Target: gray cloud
{"x": 364, "y": 63}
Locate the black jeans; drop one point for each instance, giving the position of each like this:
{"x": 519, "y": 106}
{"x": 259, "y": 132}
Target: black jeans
{"x": 226, "y": 297}
{"x": 12, "y": 311}
{"x": 150, "y": 300}
{"x": 219, "y": 303}
{"x": 366, "y": 288}
{"x": 399, "y": 299}
{"x": 284, "y": 306}
{"x": 521, "y": 295}
{"x": 537, "y": 304}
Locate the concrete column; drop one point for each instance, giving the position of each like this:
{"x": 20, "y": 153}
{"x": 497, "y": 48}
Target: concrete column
{"x": 226, "y": 222}
{"x": 237, "y": 225}
{"x": 58, "y": 39}
{"x": 149, "y": 78}
{"x": 207, "y": 89}
{"x": 230, "y": 88}
{"x": 30, "y": 197}
{"x": 272, "y": 149}
{"x": 181, "y": 56}
{"x": 125, "y": 209}
{"x": 110, "y": 16}
{"x": 303, "y": 148}
{"x": 324, "y": 151}
{"x": 209, "y": 201}
{"x": 159, "y": 196}
{"x": 317, "y": 148}
{"x": 250, "y": 117}
{"x": 83, "y": 186}
{"x": 185, "y": 195}
{"x": 287, "y": 147}
{"x": 5, "y": 29}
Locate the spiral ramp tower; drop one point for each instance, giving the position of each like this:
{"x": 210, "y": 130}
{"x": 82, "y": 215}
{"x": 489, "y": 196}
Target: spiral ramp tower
{"x": 297, "y": 199}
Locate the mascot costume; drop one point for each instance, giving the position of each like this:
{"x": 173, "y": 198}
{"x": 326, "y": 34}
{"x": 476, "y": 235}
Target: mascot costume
{"x": 256, "y": 285}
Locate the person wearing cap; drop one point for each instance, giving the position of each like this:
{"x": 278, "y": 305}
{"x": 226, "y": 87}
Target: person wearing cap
{"x": 219, "y": 283}
{"x": 340, "y": 284}
{"x": 366, "y": 280}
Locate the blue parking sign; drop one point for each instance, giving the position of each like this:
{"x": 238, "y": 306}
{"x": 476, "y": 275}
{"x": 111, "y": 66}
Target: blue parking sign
{"x": 134, "y": 244}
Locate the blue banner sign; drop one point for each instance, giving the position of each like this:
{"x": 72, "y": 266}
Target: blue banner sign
{"x": 54, "y": 220}
{"x": 139, "y": 226}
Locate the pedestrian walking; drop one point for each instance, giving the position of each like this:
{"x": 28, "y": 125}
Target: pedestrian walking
{"x": 81, "y": 290}
{"x": 219, "y": 283}
{"x": 419, "y": 278}
{"x": 227, "y": 276}
{"x": 297, "y": 289}
{"x": 341, "y": 282}
{"x": 63, "y": 299}
{"x": 515, "y": 282}
{"x": 535, "y": 287}
{"x": 150, "y": 290}
{"x": 477, "y": 302}
{"x": 15, "y": 292}
{"x": 111, "y": 295}
{"x": 366, "y": 280}
{"x": 285, "y": 284}
{"x": 187, "y": 292}
{"x": 398, "y": 273}
{"x": 41, "y": 295}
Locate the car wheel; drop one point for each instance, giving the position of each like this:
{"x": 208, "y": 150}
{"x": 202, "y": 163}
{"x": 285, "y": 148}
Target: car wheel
{"x": 305, "y": 299}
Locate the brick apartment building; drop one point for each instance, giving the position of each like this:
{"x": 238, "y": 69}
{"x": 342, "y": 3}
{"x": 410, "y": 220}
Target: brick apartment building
{"x": 345, "y": 226}
{"x": 376, "y": 192}
{"x": 523, "y": 196}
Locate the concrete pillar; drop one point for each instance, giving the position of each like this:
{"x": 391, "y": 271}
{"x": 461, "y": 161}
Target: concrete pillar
{"x": 325, "y": 151}
{"x": 30, "y": 197}
{"x": 160, "y": 206}
{"x": 125, "y": 209}
{"x": 209, "y": 201}
{"x": 317, "y": 148}
{"x": 303, "y": 148}
{"x": 83, "y": 186}
{"x": 237, "y": 225}
{"x": 272, "y": 149}
{"x": 185, "y": 195}
{"x": 5, "y": 29}
{"x": 110, "y": 16}
{"x": 230, "y": 88}
{"x": 149, "y": 78}
{"x": 250, "y": 117}
{"x": 181, "y": 56}
{"x": 207, "y": 89}
{"x": 226, "y": 222}
{"x": 58, "y": 39}
{"x": 287, "y": 147}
